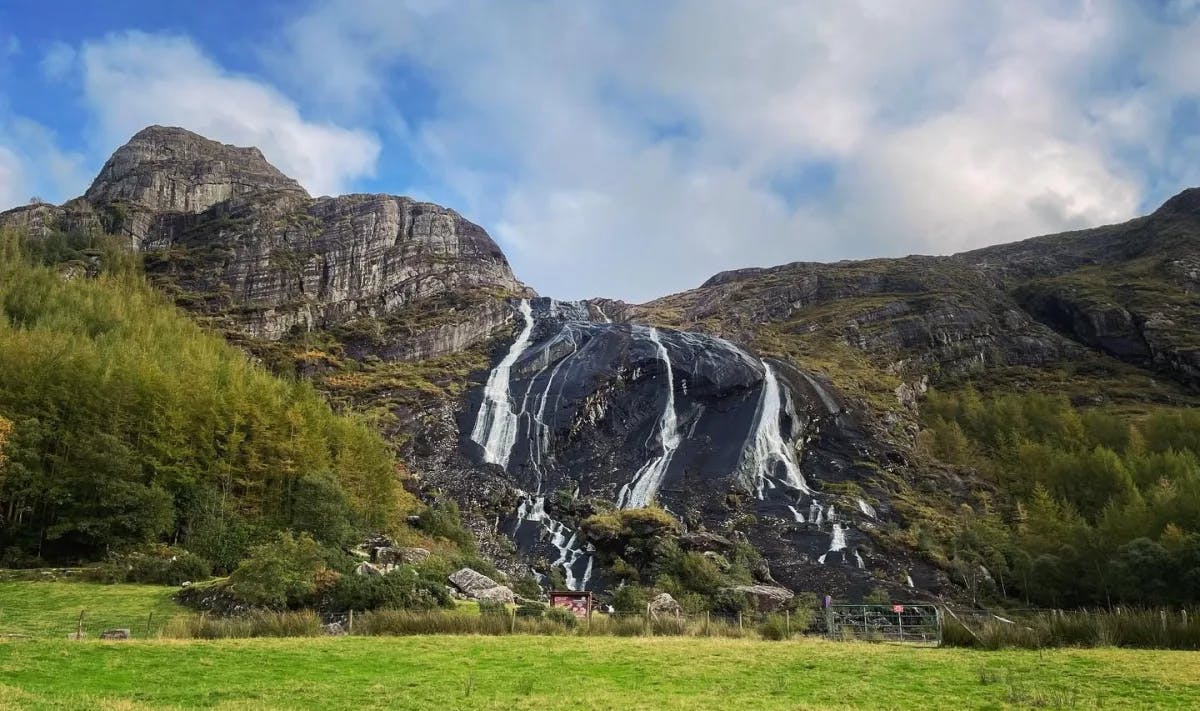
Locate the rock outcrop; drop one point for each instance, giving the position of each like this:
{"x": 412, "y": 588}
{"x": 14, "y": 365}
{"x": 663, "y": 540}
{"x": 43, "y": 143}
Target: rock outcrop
{"x": 478, "y": 586}
{"x": 233, "y": 238}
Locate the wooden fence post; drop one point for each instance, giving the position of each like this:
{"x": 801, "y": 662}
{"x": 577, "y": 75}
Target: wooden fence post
{"x": 350, "y": 623}
{"x": 149, "y": 620}
{"x": 739, "y": 620}
{"x": 707, "y": 621}
{"x": 79, "y": 626}
{"x": 787, "y": 620}
{"x": 512, "y": 622}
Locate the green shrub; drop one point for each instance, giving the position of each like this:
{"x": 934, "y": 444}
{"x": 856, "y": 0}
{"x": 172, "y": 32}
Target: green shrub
{"x": 561, "y": 616}
{"x": 774, "y": 627}
{"x": 630, "y": 598}
{"x": 443, "y": 520}
{"x": 399, "y": 589}
{"x": 493, "y": 608}
{"x": 288, "y": 572}
{"x": 527, "y": 587}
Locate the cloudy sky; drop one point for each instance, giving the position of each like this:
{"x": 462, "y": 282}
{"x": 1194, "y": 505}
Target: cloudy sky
{"x": 633, "y": 149}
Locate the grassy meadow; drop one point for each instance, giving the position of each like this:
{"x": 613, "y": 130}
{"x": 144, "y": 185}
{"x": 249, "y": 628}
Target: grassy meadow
{"x": 533, "y": 672}
{"x": 42, "y": 669}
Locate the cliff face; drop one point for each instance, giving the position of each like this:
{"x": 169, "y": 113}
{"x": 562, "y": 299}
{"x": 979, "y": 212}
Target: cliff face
{"x": 776, "y": 406}
{"x": 233, "y": 238}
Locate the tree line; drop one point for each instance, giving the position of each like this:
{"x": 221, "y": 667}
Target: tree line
{"x": 123, "y": 423}
{"x": 1088, "y": 506}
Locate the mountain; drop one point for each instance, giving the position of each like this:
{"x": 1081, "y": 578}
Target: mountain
{"x": 781, "y": 417}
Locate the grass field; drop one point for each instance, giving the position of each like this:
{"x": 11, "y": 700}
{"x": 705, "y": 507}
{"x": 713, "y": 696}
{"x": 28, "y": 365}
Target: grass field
{"x": 525, "y": 672}
{"x": 44, "y": 670}
{"x": 51, "y": 609}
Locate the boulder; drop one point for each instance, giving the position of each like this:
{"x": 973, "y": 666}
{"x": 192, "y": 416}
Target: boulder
{"x": 705, "y": 541}
{"x": 478, "y": 586}
{"x": 665, "y": 606}
{"x": 499, "y": 593}
{"x": 368, "y": 569}
{"x": 767, "y": 598}
{"x": 334, "y": 629}
{"x": 400, "y": 556}
{"x": 121, "y": 633}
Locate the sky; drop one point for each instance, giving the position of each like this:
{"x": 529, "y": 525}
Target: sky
{"x": 632, "y": 149}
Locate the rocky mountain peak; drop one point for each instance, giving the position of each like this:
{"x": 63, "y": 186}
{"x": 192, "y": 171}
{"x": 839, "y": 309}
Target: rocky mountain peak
{"x": 169, "y": 169}
{"x": 1185, "y": 203}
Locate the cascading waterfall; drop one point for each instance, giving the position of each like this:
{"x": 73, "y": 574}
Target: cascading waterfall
{"x": 796, "y": 514}
{"x": 496, "y": 425}
{"x": 533, "y": 510}
{"x": 838, "y": 540}
{"x": 866, "y": 508}
{"x": 815, "y": 513}
{"x": 766, "y": 447}
{"x": 823, "y": 395}
{"x": 645, "y": 483}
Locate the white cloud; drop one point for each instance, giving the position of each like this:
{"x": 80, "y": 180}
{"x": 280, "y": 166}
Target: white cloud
{"x": 32, "y": 164}
{"x": 632, "y": 149}
{"x": 133, "y": 79}
{"x": 12, "y": 182}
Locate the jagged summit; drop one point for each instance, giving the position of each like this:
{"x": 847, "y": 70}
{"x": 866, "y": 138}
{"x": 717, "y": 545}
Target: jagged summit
{"x": 230, "y": 235}
{"x": 170, "y": 169}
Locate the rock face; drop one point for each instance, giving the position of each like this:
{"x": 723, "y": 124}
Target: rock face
{"x": 167, "y": 170}
{"x": 478, "y": 586}
{"x": 767, "y": 598}
{"x": 636, "y": 415}
{"x": 234, "y": 238}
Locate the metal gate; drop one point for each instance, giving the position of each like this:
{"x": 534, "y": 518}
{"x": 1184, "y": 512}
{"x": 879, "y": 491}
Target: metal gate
{"x": 918, "y": 624}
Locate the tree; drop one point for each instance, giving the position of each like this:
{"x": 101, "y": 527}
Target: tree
{"x": 284, "y": 573}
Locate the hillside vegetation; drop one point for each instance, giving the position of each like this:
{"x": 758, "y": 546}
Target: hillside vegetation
{"x": 622, "y": 674}
{"x": 1089, "y": 506}
{"x": 127, "y": 424}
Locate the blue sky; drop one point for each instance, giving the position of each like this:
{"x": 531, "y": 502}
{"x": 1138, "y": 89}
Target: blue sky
{"x": 633, "y": 149}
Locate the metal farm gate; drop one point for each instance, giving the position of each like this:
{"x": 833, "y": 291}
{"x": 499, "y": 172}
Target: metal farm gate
{"x": 919, "y": 624}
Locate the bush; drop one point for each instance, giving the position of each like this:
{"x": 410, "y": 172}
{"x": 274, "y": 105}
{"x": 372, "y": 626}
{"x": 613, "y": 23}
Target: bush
{"x": 283, "y": 573}
{"x": 561, "y": 616}
{"x": 399, "y": 589}
{"x": 630, "y": 598}
{"x": 527, "y": 587}
{"x": 443, "y": 520}
{"x": 774, "y": 627}
{"x": 493, "y": 607}
{"x": 168, "y": 568}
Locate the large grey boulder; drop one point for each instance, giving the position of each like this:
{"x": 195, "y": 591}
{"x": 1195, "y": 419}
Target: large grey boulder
{"x": 665, "y": 606}
{"x": 478, "y": 586}
{"x": 766, "y": 598}
{"x": 400, "y": 556}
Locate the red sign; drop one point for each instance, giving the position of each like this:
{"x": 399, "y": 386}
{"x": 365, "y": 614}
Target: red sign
{"x": 897, "y": 608}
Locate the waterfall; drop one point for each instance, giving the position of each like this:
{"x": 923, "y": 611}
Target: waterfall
{"x": 839, "y": 538}
{"x": 823, "y": 395}
{"x": 766, "y": 447}
{"x": 796, "y": 514}
{"x": 866, "y": 508}
{"x": 815, "y": 513}
{"x": 496, "y": 425}
{"x": 561, "y": 538}
{"x": 859, "y": 559}
{"x": 908, "y": 579}
{"x": 644, "y": 485}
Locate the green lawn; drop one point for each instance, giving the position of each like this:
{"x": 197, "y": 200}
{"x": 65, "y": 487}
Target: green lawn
{"x": 51, "y": 609}
{"x": 623, "y": 674}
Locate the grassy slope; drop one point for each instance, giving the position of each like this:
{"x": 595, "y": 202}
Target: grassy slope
{"x": 51, "y": 609}
{"x": 595, "y": 673}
